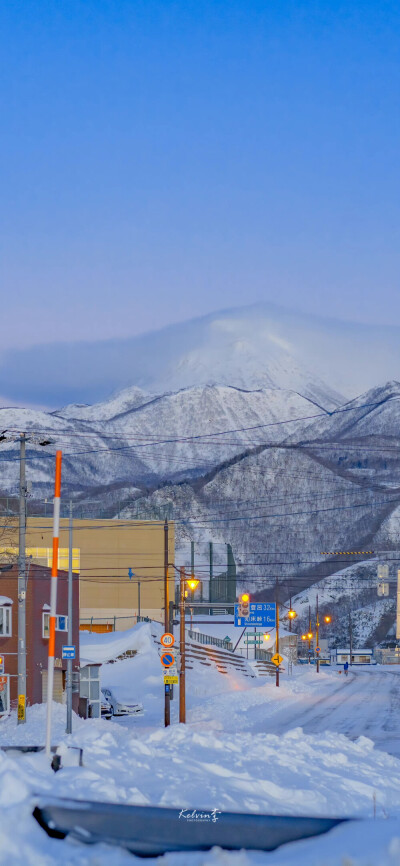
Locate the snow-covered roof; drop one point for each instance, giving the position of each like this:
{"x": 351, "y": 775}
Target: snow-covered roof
{"x": 5, "y": 600}
{"x": 344, "y": 651}
{"x": 46, "y": 607}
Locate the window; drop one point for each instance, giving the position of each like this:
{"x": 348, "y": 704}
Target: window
{"x": 61, "y": 624}
{"x": 5, "y": 621}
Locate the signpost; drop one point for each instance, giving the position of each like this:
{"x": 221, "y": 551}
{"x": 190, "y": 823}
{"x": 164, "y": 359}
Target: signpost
{"x": 167, "y": 659}
{"x": 68, "y": 652}
{"x": 260, "y": 613}
{"x": 277, "y": 659}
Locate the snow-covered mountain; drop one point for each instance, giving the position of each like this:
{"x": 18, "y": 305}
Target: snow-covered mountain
{"x": 258, "y": 451}
{"x": 262, "y": 346}
{"x": 140, "y": 440}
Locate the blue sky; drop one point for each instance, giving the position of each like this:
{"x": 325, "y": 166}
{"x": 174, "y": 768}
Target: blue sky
{"x": 160, "y": 160}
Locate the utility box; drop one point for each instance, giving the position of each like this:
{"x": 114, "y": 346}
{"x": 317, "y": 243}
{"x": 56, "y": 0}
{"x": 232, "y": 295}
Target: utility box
{"x": 4, "y": 696}
{"x": 90, "y": 689}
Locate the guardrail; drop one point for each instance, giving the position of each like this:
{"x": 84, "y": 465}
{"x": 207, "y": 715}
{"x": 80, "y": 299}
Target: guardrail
{"x": 209, "y": 639}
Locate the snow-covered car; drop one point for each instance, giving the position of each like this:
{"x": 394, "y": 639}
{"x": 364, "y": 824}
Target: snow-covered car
{"x": 106, "y": 708}
{"x": 120, "y": 702}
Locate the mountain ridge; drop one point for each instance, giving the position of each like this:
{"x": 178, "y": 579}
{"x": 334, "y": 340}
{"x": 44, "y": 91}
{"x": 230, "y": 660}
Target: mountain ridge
{"x": 259, "y": 346}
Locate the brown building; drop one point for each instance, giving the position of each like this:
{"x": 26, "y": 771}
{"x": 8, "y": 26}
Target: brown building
{"x": 104, "y": 552}
{"x": 37, "y": 631}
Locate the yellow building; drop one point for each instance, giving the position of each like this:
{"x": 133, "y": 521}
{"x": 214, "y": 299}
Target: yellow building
{"x": 104, "y": 552}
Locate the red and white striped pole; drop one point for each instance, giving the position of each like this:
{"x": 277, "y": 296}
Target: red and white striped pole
{"x": 53, "y": 599}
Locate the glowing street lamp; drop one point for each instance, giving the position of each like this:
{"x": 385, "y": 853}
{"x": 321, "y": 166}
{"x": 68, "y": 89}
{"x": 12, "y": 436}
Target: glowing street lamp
{"x": 192, "y": 583}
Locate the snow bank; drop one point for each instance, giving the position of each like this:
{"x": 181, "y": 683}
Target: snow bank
{"x": 99, "y": 648}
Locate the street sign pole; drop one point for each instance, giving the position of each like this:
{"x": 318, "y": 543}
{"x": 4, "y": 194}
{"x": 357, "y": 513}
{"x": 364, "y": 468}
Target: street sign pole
{"x": 70, "y": 638}
{"x": 182, "y": 647}
{"x": 277, "y": 636}
{"x": 167, "y": 695}
{"x": 317, "y": 636}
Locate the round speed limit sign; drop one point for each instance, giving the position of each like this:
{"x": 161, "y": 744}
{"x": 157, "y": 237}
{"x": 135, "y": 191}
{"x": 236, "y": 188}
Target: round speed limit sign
{"x": 167, "y": 639}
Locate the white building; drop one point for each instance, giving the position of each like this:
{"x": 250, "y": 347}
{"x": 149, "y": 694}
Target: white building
{"x": 358, "y": 656}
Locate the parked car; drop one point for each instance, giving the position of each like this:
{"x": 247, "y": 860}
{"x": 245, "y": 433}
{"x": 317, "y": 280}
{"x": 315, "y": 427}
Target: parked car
{"x": 105, "y": 708}
{"x": 120, "y": 704}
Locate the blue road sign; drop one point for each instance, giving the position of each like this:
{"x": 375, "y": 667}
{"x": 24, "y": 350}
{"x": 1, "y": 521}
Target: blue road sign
{"x": 130, "y": 574}
{"x": 68, "y": 652}
{"x": 262, "y": 613}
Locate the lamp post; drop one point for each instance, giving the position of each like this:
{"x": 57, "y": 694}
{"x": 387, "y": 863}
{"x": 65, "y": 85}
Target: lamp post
{"x": 192, "y": 583}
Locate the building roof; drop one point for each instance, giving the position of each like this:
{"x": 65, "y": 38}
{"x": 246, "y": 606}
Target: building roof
{"x": 354, "y": 650}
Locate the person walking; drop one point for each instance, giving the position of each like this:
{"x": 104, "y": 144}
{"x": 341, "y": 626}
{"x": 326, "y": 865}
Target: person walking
{"x": 346, "y": 668}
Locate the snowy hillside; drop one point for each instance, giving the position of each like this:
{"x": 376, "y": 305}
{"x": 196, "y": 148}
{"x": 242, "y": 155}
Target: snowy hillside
{"x": 261, "y": 346}
{"x": 137, "y": 439}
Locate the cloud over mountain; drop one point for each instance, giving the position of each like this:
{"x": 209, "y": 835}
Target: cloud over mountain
{"x": 262, "y": 346}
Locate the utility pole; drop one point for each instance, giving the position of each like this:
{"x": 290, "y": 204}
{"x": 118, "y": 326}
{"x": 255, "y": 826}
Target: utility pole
{"x": 22, "y": 585}
{"x": 351, "y": 639}
{"x": 167, "y": 697}
{"x": 309, "y": 632}
{"x": 277, "y": 633}
{"x": 317, "y": 636}
{"x": 70, "y": 603}
{"x": 182, "y": 648}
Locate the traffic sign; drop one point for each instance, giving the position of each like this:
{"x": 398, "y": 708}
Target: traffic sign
{"x": 167, "y": 639}
{"x": 317, "y": 649}
{"x": 167, "y": 659}
{"x": 171, "y": 679}
{"x": 68, "y": 652}
{"x": 260, "y": 613}
{"x": 277, "y": 659}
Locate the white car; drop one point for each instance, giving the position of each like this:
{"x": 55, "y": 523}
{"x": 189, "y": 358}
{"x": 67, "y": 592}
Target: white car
{"x": 120, "y": 703}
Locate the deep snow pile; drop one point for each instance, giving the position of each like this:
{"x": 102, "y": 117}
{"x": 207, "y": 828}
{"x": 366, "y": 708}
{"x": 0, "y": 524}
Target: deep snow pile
{"x": 231, "y": 755}
{"x": 100, "y": 648}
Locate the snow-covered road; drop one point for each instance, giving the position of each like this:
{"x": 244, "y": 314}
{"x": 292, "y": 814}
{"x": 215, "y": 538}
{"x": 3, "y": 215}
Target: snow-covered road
{"x": 319, "y": 745}
{"x": 366, "y": 703}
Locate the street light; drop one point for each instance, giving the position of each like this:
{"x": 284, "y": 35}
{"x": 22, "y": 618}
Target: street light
{"x": 327, "y": 618}
{"x": 192, "y": 583}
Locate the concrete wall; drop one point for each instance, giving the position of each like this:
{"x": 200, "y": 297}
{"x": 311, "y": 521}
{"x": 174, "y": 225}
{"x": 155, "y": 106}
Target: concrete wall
{"x": 108, "y": 548}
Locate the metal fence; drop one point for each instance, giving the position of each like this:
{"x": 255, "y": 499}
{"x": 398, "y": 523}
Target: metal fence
{"x": 210, "y": 640}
